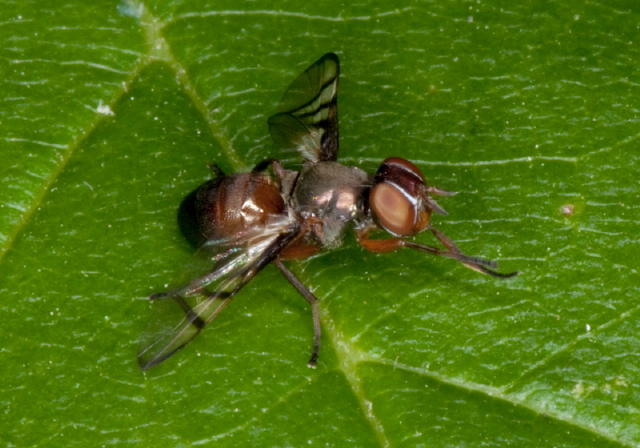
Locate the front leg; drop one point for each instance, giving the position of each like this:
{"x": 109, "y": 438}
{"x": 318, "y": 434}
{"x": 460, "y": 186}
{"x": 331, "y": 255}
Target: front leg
{"x": 377, "y": 246}
{"x": 391, "y": 244}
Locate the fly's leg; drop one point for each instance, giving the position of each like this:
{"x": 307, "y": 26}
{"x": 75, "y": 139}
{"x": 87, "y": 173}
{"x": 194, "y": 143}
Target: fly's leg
{"x": 286, "y": 178}
{"x": 217, "y": 171}
{"x": 389, "y": 245}
{"x": 479, "y": 267}
{"x": 275, "y": 165}
{"x": 313, "y": 301}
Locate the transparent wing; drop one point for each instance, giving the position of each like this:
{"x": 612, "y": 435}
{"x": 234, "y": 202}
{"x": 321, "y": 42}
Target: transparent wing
{"x": 237, "y": 262}
{"x": 308, "y": 118}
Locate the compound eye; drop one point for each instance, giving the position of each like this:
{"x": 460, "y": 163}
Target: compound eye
{"x": 393, "y": 210}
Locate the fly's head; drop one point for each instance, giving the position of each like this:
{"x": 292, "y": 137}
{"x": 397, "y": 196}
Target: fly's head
{"x": 400, "y": 199}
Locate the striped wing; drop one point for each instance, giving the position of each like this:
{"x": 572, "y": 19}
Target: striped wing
{"x": 200, "y": 301}
{"x": 308, "y": 117}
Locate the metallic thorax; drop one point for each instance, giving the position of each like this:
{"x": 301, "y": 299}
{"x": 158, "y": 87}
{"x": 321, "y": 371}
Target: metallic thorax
{"x": 334, "y": 194}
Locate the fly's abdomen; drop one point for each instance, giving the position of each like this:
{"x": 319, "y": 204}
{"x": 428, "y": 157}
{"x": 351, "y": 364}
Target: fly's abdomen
{"x": 227, "y": 205}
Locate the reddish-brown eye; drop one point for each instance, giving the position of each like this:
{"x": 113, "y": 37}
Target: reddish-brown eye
{"x": 399, "y": 165}
{"x": 393, "y": 209}
{"x": 397, "y": 198}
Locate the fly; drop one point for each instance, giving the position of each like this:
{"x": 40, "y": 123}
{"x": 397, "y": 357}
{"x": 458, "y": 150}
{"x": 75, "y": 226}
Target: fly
{"x": 245, "y": 221}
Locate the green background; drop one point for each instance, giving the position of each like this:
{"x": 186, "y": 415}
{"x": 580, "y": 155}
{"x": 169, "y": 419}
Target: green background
{"x": 110, "y": 112}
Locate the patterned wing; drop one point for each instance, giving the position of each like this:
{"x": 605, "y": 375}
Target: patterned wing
{"x": 200, "y": 301}
{"x": 308, "y": 117}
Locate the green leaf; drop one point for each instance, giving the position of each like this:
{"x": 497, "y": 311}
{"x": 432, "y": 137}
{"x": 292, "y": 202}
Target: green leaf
{"x": 112, "y": 110}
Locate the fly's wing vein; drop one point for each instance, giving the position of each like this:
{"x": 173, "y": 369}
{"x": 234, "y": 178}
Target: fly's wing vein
{"x": 252, "y": 253}
{"x": 308, "y": 116}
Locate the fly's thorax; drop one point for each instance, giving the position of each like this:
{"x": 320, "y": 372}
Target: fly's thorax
{"x": 332, "y": 194}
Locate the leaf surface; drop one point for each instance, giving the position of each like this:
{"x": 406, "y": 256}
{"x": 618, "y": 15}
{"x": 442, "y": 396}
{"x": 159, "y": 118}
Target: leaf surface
{"x": 111, "y": 113}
